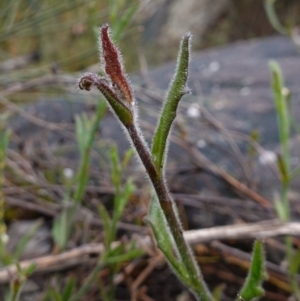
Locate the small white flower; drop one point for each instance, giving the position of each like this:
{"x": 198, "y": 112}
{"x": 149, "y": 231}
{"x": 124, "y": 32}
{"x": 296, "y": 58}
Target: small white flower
{"x": 214, "y": 66}
{"x": 267, "y": 157}
{"x": 68, "y": 173}
{"x": 193, "y": 111}
{"x": 201, "y": 143}
{"x": 4, "y": 238}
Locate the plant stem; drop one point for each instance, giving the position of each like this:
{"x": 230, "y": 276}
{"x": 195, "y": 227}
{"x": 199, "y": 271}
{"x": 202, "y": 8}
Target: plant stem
{"x": 167, "y": 206}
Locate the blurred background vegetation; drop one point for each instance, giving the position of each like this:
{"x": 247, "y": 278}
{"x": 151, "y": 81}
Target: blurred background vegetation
{"x": 43, "y": 41}
{"x": 60, "y": 35}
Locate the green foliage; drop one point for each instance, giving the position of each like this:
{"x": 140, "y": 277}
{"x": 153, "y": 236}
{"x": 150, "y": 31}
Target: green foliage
{"x": 165, "y": 240}
{"x": 113, "y": 255}
{"x": 4, "y": 140}
{"x": 86, "y": 128}
{"x": 177, "y": 89}
{"x": 183, "y": 264}
{"x": 16, "y": 285}
{"x": 257, "y": 274}
{"x": 34, "y": 25}
{"x": 272, "y": 16}
{"x": 163, "y": 216}
{"x": 19, "y": 22}
{"x": 282, "y": 99}
{"x": 121, "y": 198}
{"x": 120, "y": 15}
{"x": 58, "y": 294}
{"x": 287, "y": 29}
{"x": 85, "y": 132}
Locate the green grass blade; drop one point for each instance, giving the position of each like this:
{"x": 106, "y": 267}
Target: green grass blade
{"x": 124, "y": 21}
{"x": 68, "y": 289}
{"x": 106, "y": 225}
{"x": 85, "y": 133}
{"x": 128, "y": 256}
{"x": 272, "y": 16}
{"x": 116, "y": 170}
{"x": 283, "y": 116}
{"x": 122, "y": 200}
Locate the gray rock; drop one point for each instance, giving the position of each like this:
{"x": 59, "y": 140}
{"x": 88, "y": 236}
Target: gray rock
{"x": 39, "y": 242}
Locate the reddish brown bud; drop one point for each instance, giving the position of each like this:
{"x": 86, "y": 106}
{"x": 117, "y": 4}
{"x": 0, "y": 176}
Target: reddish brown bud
{"x": 113, "y": 65}
{"x": 87, "y": 81}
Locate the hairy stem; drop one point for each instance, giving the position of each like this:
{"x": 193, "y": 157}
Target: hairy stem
{"x": 167, "y": 206}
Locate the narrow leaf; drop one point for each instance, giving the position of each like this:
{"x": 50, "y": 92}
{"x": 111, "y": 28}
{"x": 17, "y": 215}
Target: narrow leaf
{"x": 55, "y": 295}
{"x": 283, "y": 116}
{"x": 164, "y": 239}
{"x": 30, "y": 269}
{"x": 125, "y": 19}
{"x": 272, "y": 16}
{"x": 282, "y": 169}
{"x": 177, "y": 89}
{"x": 68, "y": 289}
{"x": 257, "y": 274}
{"x": 132, "y": 254}
{"x": 115, "y": 164}
{"x": 128, "y": 155}
{"x": 106, "y": 224}
{"x": 122, "y": 200}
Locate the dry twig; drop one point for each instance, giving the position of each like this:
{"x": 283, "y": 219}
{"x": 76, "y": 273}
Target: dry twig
{"x": 81, "y": 255}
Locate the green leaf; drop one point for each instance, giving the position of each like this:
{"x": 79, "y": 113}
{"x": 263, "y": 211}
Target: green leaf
{"x": 282, "y": 169}
{"x": 283, "y": 117}
{"x": 85, "y": 130}
{"x": 123, "y": 111}
{"x": 116, "y": 170}
{"x": 80, "y": 133}
{"x": 165, "y": 240}
{"x": 295, "y": 263}
{"x": 63, "y": 225}
{"x": 176, "y": 91}
{"x": 128, "y": 155}
{"x": 30, "y": 269}
{"x": 218, "y": 291}
{"x": 272, "y": 16}
{"x": 280, "y": 208}
{"x": 106, "y": 224}
{"x": 68, "y": 289}
{"x": 132, "y": 254}
{"x": 116, "y": 251}
{"x": 122, "y": 200}
{"x": 55, "y": 295}
{"x": 122, "y": 22}
{"x": 257, "y": 274}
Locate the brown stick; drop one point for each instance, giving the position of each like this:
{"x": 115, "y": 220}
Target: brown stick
{"x": 81, "y": 255}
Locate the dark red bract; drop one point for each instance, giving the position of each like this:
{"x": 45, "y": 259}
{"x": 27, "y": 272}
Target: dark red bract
{"x": 113, "y": 65}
